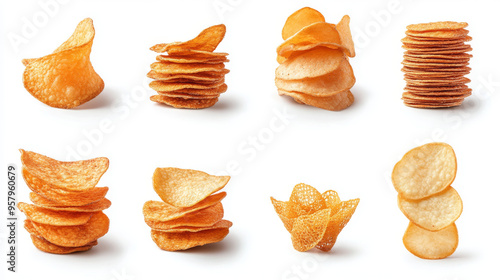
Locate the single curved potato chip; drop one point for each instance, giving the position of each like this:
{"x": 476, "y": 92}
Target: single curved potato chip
{"x": 186, "y": 187}
{"x": 169, "y": 86}
{"x": 345, "y": 36}
{"x": 173, "y": 94}
{"x": 340, "y": 215}
{"x": 185, "y": 68}
{"x": 196, "y": 53}
{"x": 308, "y": 230}
{"x": 332, "y": 201}
{"x": 161, "y": 211}
{"x": 187, "y": 59}
{"x": 175, "y": 241}
{"x": 431, "y": 244}
{"x": 440, "y": 25}
{"x": 178, "y": 102}
{"x": 63, "y": 197}
{"x": 202, "y": 76}
{"x": 282, "y": 208}
{"x": 45, "y": 246}
{"x": 209, "y": 91}
{"x": 340, "y": 80}
{"x": 300, "y": 19}
{"x": 75, "y": 236}
{"x": 43, "y": 202}
{"x": 435, "y": 212}
{"x": 51, "y": 217}
{"x": 336, "y": 102}
{"x": 316, "y": 62}
{"x": 65, "y": 78}
{"x": 425, "y": 170}
{"x": 65, "y": 175}
{"x": 207, "y": 40}
{"x": 201, "y": 218}
{"x": 305, "y": 200}
{"x": 288, "y": 51}
{"x": 220, "y": 224}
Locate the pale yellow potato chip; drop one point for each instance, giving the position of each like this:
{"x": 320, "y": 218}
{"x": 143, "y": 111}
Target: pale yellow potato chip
{"x": 431, "y": 244}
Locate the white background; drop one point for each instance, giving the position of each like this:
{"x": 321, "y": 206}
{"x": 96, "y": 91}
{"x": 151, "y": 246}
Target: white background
{"x": 352, "y": 151}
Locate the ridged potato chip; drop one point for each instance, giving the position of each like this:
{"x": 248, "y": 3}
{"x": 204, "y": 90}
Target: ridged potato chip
{"x": 425, "y": 170}
{"x": 175, "y": 241}
{"x": 207, "y": 40}
{"x": 317, "y": 62}
{"x": 201, "y": 218}
{"x": 308, "y": 230}
{"x": 433, "y": 213}
{"x": 52, "y": 217}
{"x": 161, "y": 211}
{"x": 65, "y": 175}
{"x": 186, "y": 187}
{"x": 431, "y": 244}
{"x": 43, "y": 202}
{"x": 220, "y": 224}
{"x": 65, "y": 78}
{"x": 45, "y": 246}
{"x": 300, "y": 19}
{"x": 75, "y": 236}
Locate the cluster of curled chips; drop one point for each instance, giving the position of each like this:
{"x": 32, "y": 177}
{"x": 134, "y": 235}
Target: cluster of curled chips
{"x": 423, "y": 179}
{"x": 65, "y": 79}
{"x": 191, "y": 75}
{"x": 435, "y": 64}
{"x": 66, "y": 215}
{"x": 314, "y": 219}
{"x": 191, "y": 212}
{"x": 314, "y": 66}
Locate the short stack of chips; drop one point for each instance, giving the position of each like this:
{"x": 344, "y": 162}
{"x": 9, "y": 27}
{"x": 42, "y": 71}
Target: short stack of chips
{"x": 435, "y": 64}
{"x": 67, "y": 215}
{"x": 192, "y": 75}
{"x": 191, "y": 212}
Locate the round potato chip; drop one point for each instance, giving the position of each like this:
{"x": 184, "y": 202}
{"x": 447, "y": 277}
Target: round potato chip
{"x": 187, "y": 59}
{"x": 435, "y": 212}
{"x": 176, "y": 241}
{"x": 185, "y": 68}
{"x": 207, "y": 40}
{"x": 201, "y": 218}
{"x": 186, "y": 187}
{"x": 440, "y": 25}
{"x": 186, "y": 95}
{"x": 210, "y": 76}
{"x": 220, "y": 224}
{"x": 75, "y": 236}
{"x": 45, "y": 246}
{"x": 431, "y": 244}
{"x": 196, "y": 53}
{"x": 425, "y": 170}
{"x": 43, "y": 202}
{"x": 51, "y": 217}
{"x": 65, "y": 175}
{"x": 336, "y": 102}
{"x": 443, "y": 34}
{"x": 300, "y": 19}
{"x": 170, "y": 86}
{"x": 65, "y": 79}
{"x": 345, "y": 36}
{"x": 160, "y": 211}
{"x": 308, "y": 230}
{"x": 316, "y": 62}
{"x": 183, "y": 103}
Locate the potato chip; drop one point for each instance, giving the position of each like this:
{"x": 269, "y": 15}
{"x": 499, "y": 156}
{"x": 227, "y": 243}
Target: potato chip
{"x": 75, "y": 236}
{"x": 196, "y": 53}
{"x": 336, "y": 102}
{"x": 42, "y": 202}
{"x": 207, "y": 40}
{"x": 186, "y": 187}
{"x": 188, "y": 59}
{"x": 65, "y": 78}
{"x": 71, "y": 176}
{"x": 300, "y": 19}
{"x": 51, "y": 217}
{"x": 202, "y": 76}
{"x": 45, "y": 246}
{"x": 431, "y": 244}
{"x": 308, "y": 230}
{"x": 63, "y": 197}
{"x": 186, "y": 95}
{"x": 161, "y": 211}
{"x": 435, "y": 212}
{"x": 183, "y": 103}
{"x": 305, "y": 200}
{"x": 220, "y": 224}
{"x": 340, "y": 214}
{"x": 184, "y": 68}
{"x": 317, "y": 62}
{"x": 201, "y": 218}
{"x": 206, "y": 92}
{"x": 169, "y": 86}
{"x": 176, "y": 241}
{"x": 425, "y": 170}
{"x": 282, "y": 208}
{"x": 345, "y": 36}
{"x": 440, "y": 25}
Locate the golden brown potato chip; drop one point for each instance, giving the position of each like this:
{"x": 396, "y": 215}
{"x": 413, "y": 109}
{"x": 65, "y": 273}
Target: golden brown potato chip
{"x": 431, "y": 244}
{"x": 186, "y": 187}
{"x": 45, "y": 246}
{"x": 51, "y": 217}
{"x": 75, "y": 236}
{"x": 186, "y": 95}
{"x": 185, "y": 68}
{"x": 43, "y": 202}
{"x": 65, "y": 78}
{"x": 340, "y": 214}
{"x": 435, "y": 212}
{"x": 207, "y": 92}
{"x": 308, "y": 230}
{"x": 65, "y": 175}
{"x": 175, "y": 241}
{"x": 63, "y": 197}
{"x": 316, "y": 62}
{"x": 305, "y": 200}
{"x": 196, "y": 53}
{"x": 187, "y": 59}
{"x": 440, "y": 25}
{"x": 425, "y": 170}
{"x": 207, "y": 40}
{"x": 201, "y": 218}
{"x": 182, "y": 103}
{"x": 169, "y": 86}
{"x": 202, "y": 76}
{"x": 161, "y": 211}
{"x": 282, "y": 208}
{"x": 220, "y": 224}
{"x": 345, "y": 36}
{"x": 300, "y": 19}
{"x": 332, "y": 201}
{"x": 335, "y": 102}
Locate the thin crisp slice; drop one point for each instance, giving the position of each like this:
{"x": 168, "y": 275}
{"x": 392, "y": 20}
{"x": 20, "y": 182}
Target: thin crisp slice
{"x": 440, "y": 25}
{"x": 300, "y": 19}
{"x": 345, "y": 36}
{"x": 282, "y": 208}
{"x": 316, "y": 62}
{"x": 431, "y": 244}
{"x": 219, "y": 224}
{"x": 207, "y": 40}
{"x": 305, "y": 200}
{"x": 43, "y": 202}
{"x": 308, "y": 230}
{"x": 188, "y": 59}
{"x": 176, "y": 241}
{"x": 52, "y": 217}
{"x": 45, "y": 246}
{"x": 170, "y": 86}
{"x": 335, "y": 102}
{"x": 182, "y": 103}
{"x": 202, "y": 218}
{"x": 185, "y": 68}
